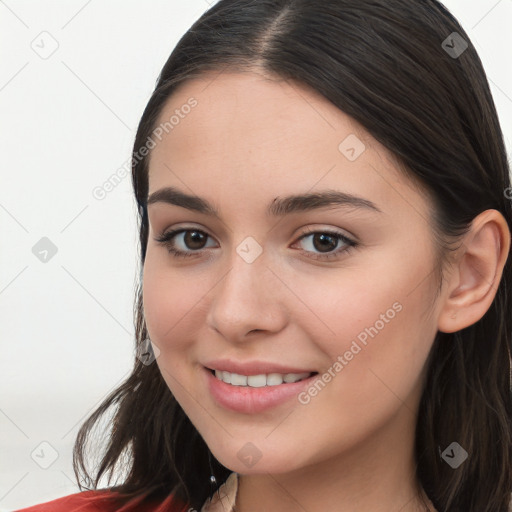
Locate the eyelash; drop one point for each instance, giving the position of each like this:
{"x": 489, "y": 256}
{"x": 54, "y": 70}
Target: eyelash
{"x": 166, "y": 239}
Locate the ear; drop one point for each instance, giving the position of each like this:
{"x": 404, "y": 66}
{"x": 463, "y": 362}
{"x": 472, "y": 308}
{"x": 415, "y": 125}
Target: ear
{"x": 476, "y": 273}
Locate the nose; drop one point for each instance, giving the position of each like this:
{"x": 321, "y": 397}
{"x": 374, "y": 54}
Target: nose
{"x": 249, "y": 297}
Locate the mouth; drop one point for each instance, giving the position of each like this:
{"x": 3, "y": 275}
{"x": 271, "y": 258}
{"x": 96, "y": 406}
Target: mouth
{"x": 253, "y": 394}
{"x": 260, "y": 380}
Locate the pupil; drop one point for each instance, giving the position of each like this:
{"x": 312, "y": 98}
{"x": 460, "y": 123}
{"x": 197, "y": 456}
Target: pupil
{"x": 324, "y": 237}
{"x": 192, "y": 237}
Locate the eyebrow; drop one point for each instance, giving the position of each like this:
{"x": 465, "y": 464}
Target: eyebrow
{"x": 278, "y": 207}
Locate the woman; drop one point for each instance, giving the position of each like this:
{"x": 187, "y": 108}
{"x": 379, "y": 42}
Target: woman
{"x": 323, "y": 319}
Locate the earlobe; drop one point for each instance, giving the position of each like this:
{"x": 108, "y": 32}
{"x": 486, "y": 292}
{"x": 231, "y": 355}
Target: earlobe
{"x": 477, "y": 272}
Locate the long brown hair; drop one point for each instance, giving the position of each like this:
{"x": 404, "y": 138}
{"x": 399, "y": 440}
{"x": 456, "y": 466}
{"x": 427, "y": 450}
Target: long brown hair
{"x": 385, "y": 63}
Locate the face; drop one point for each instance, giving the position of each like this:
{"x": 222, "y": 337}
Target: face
{"x": 343, "y": 289}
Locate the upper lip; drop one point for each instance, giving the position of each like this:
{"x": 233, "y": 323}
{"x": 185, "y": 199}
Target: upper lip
{"x": 253, "y": 367}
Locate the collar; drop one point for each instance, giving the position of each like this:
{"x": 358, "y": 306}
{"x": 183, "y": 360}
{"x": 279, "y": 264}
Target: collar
{"x": 223, "y": 499}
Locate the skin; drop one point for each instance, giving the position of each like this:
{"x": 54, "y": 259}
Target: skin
{"x": 249, "y": 140}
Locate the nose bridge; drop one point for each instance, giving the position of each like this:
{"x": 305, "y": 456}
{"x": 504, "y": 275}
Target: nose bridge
{"x": 245, "y": 299}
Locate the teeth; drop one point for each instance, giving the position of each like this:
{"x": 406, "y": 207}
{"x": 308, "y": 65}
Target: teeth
{"x": 258, "y": 381}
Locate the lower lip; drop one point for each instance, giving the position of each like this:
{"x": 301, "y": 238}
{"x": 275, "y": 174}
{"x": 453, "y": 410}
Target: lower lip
{"x": 249, "y": 400}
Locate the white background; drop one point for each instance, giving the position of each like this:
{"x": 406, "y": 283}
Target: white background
{"x": 67, "y": 124}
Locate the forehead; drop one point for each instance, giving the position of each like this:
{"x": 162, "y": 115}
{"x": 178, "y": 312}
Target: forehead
{"x": 259, "y": 111}
{"x": 267, "y": 136}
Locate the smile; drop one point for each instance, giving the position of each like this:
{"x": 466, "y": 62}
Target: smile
{"x": 252, "y": 394}
{"x": 262, "y": 380}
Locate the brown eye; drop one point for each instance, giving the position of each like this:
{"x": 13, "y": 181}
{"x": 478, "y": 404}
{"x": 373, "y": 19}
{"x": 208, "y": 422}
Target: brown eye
{"x": 190, "y": 241}
{"x": 324, "y": 244}
{"x": 194, "y": 239}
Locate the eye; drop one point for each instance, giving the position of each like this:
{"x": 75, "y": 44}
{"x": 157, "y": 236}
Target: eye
{"x": 325, "y": 242}
{"x": 193, "y": 239}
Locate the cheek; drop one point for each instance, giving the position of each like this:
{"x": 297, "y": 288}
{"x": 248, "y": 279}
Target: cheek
{"x": 371, "y": 324}
{"x": 376, "y": 354}
{"x": 171, "y": 299}
{"x": 171, "y": 304}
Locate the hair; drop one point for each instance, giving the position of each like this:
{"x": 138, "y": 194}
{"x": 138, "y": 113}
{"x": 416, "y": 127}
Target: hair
{"x": 382, "y": 62}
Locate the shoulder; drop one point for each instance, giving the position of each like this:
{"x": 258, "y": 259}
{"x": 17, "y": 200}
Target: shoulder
{"x": 101, "y": 501}
{"x": 85, "y": 501}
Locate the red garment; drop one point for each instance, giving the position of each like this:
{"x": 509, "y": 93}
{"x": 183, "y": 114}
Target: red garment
{"x": 94, "y": 501}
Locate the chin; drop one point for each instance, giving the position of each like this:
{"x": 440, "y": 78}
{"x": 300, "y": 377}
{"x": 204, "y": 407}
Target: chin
{"x": 249, "y": 460}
